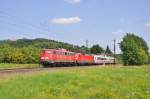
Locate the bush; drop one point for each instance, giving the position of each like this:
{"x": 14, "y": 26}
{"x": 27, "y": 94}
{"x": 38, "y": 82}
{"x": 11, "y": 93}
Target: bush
{"x": 135, "y": 50}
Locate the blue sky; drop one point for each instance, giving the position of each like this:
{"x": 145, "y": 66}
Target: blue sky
{"x": 75, "y": 21}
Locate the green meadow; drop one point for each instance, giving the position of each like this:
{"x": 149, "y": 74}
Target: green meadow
{"x": 79, "y": 83}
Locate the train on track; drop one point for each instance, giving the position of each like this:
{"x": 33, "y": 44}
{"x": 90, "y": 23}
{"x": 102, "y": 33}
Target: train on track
{"x": 63, "y": 57}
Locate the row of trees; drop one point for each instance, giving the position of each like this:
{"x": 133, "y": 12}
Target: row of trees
{"x": 19, "y": 55}
{"x": 28, "y": 51}
{"x": 95, "y": 49}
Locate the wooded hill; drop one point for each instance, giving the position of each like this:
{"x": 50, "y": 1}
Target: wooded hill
{"x": 38, "y": 43}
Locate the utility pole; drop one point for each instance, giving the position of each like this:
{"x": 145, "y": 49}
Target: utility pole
{"x": 87, "y": 45}
{"x": 114, "y": 51}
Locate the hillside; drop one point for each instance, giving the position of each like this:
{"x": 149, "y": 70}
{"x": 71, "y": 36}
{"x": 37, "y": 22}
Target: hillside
{"x": 39, "y": 43}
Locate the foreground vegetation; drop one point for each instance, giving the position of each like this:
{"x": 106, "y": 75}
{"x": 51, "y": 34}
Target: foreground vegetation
{"x": 79, "y": 83}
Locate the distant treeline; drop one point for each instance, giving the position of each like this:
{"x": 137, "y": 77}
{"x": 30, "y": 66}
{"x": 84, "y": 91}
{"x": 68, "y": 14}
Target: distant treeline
{"x": 28, "y": 50}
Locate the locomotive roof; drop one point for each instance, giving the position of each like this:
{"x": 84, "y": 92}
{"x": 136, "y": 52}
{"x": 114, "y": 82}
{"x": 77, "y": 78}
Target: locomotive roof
{"x": 104, "y": 56}
{"x": 58, "y": 50}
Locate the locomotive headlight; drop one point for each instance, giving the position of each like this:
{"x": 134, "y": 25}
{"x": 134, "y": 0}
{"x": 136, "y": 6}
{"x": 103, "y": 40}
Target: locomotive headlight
{"x": 44, "y": 57}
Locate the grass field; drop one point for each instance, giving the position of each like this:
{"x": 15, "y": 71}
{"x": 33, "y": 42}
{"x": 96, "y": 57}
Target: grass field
{"x": 13, "y": 66}
{"x": 79, "y": 83}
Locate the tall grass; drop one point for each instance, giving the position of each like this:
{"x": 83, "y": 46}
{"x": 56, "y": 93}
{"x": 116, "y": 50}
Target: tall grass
{"x": 83, "y": 83}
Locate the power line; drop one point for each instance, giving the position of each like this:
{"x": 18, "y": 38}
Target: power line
{"x": 22, "y": 22}
{"x": 15, "y": 27}
{"x": 26, "y": 24}
{"x": 87, "y": 45}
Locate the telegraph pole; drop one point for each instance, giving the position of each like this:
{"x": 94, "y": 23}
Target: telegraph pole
{"x": 87, "y": 45}
{"x": 114, "y": 51}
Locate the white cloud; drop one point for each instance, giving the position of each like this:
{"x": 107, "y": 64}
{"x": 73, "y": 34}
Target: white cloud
{"x": 147, "y": 24}
{"x": 73, "y": 1}
{"x": 69, "y": 20}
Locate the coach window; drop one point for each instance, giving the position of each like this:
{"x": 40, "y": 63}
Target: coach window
{"x": 65, "y": 53}
{"x": 59, "y": 53}
{"x": 56, "y": 52}
{"x": 98, "y": 58}
{"x": 103, "y": 58}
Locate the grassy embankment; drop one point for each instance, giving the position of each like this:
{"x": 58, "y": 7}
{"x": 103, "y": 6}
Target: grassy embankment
{"x": 14, "y": 66}
{"x": 79, "y": 83}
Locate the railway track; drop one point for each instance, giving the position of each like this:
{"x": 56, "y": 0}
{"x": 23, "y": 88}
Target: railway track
{"x": 9, "y": 72}
{"x": 26, "y": 70}
{"x": 19, "y": 70}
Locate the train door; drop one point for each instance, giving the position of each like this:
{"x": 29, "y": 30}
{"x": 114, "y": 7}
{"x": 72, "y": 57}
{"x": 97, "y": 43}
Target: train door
{"x": 54, "y": 56}
{"x": 77, "y": 58}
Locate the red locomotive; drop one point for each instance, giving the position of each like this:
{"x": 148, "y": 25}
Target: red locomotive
{"x": 56, "y": 56}
{"x": 53, "y": 57}
{"x": 84, "y": 59}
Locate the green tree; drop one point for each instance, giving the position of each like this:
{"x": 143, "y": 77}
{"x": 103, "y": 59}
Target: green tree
{"x": 108, "y": 51}
{"x": 17, "y": 56}
{"x": 95, "y": 49}
{"x": 135, "y": 50}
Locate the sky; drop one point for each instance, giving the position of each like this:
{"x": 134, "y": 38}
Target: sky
{"x": 75, "y": 21}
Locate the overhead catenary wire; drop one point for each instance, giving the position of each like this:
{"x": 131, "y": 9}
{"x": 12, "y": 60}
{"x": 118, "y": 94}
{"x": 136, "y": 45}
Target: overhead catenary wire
{"x": 20, "y": 24}
{"x": 15, "y": 27}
